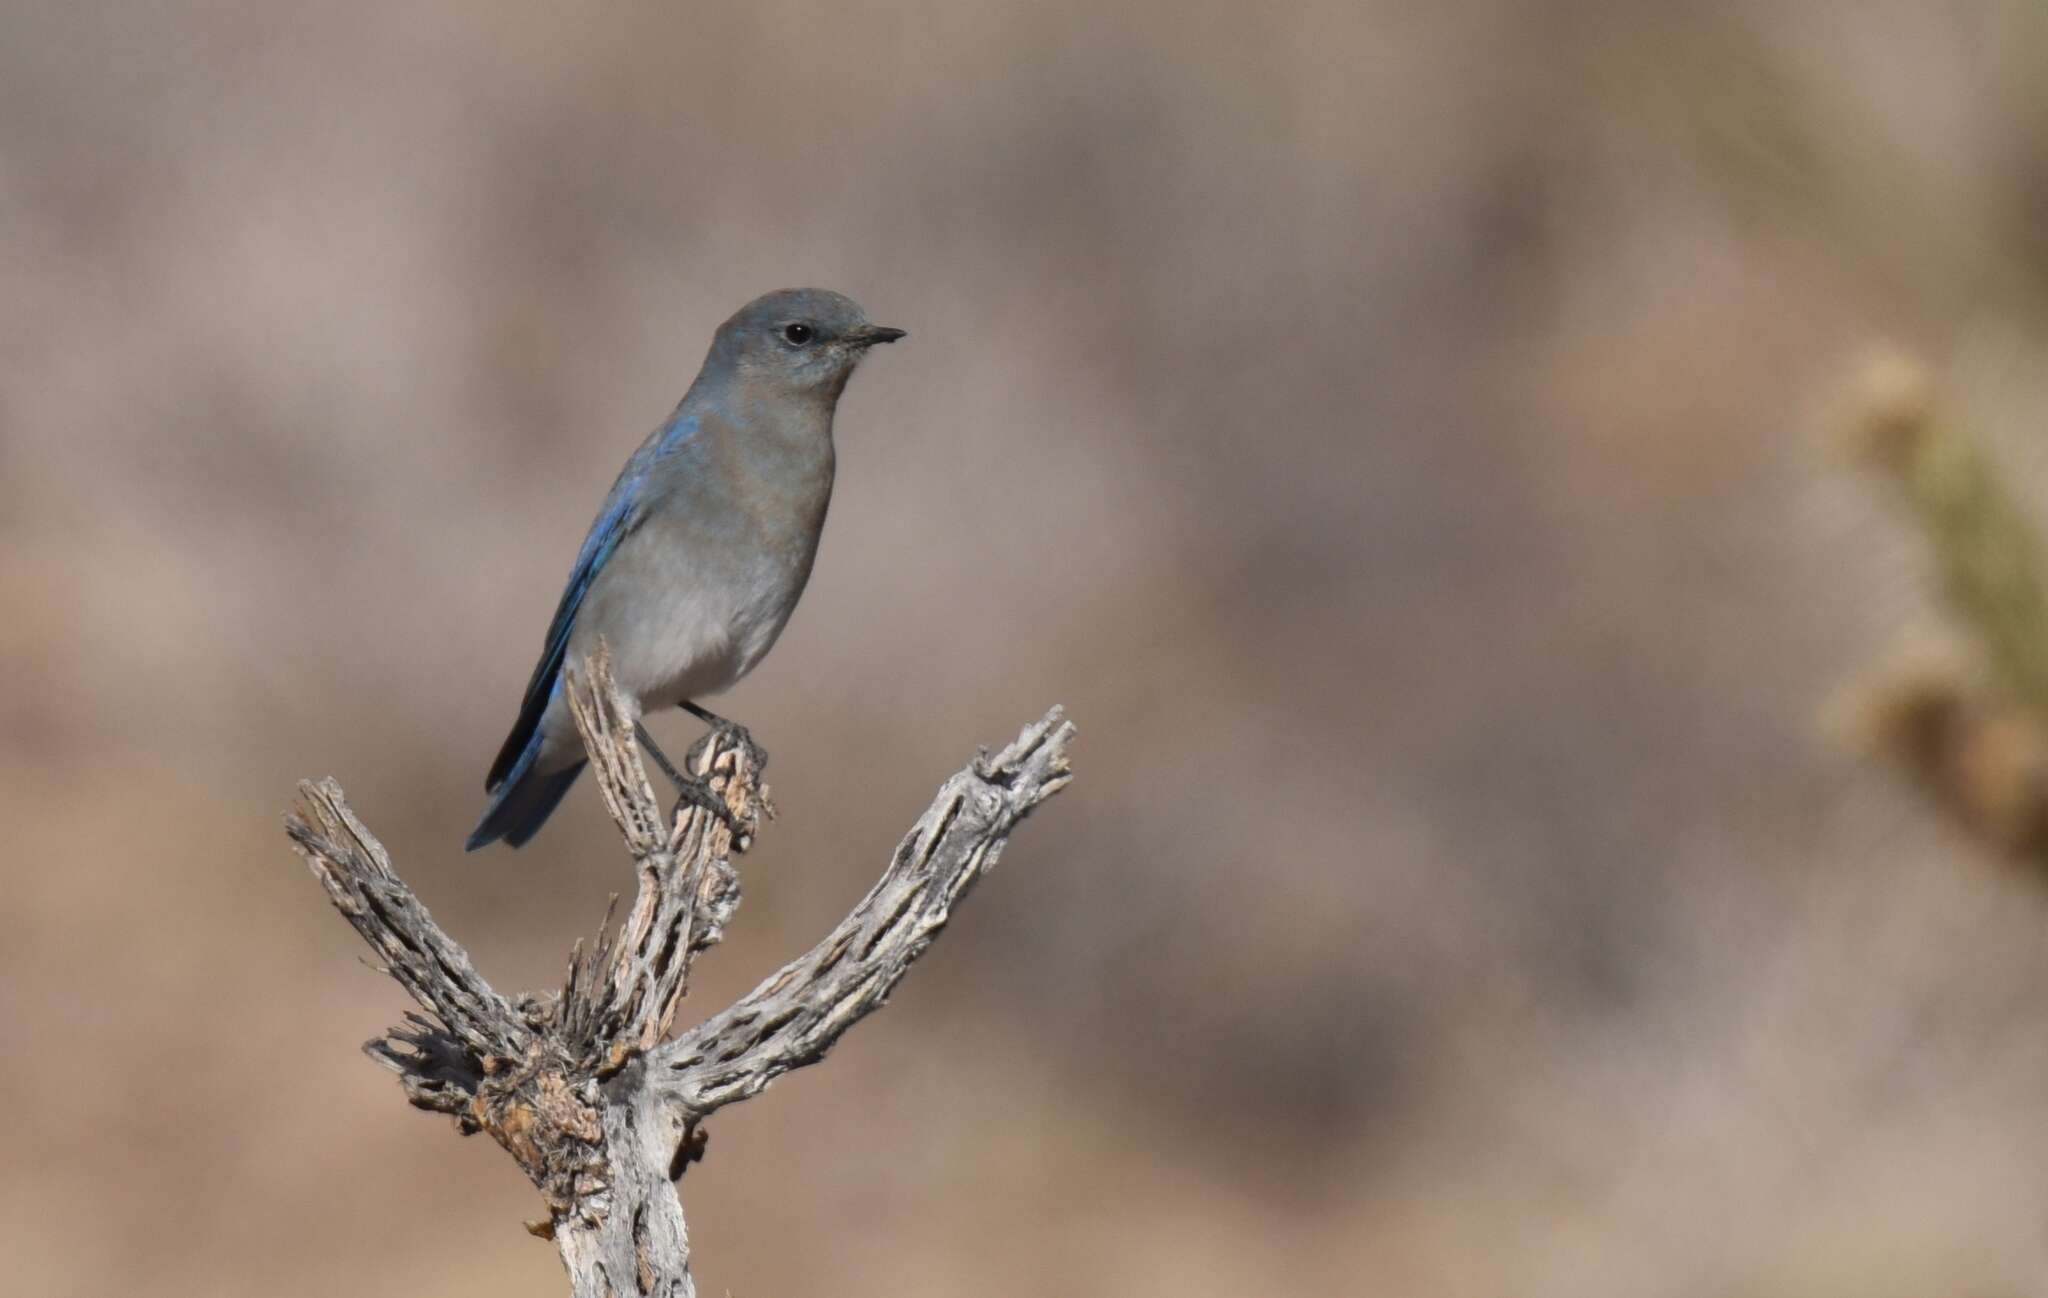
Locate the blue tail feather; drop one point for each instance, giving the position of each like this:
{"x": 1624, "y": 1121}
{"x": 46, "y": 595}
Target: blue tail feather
{"x": 523, "y": 803}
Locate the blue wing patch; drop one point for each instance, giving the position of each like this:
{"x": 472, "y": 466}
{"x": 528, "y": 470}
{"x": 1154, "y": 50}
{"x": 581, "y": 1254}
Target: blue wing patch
{"x": 623, "y": 511}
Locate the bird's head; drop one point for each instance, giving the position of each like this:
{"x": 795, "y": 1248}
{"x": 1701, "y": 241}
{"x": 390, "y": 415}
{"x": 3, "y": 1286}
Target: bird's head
{"x": 798, "y": 342}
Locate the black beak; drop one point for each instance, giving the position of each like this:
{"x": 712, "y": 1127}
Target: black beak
{"x": 869, "y": 335}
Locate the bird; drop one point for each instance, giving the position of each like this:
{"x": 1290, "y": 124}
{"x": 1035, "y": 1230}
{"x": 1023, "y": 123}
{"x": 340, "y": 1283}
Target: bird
{"x": 702, "y": 547}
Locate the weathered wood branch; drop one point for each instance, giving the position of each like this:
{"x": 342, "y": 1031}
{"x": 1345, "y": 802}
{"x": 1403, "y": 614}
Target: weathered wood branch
{"x": 578, "y": 1086}
{"x": 797, "y": 1015}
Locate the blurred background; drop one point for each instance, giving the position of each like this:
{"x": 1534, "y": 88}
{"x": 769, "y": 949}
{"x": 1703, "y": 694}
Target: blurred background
{"x": 1390, "y": 428}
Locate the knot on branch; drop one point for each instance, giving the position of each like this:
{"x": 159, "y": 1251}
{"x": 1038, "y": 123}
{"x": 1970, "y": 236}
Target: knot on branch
{"x": 547, "y": 1112}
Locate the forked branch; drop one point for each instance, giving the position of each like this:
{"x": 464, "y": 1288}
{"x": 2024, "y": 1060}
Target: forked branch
{"x": 578, "y": 1085}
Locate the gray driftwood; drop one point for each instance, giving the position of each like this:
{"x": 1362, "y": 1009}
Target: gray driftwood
{"x": 585, "y": 1088}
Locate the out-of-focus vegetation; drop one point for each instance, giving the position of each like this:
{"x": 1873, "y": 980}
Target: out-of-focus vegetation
{"x": 1401, "y": 410}
{"x": 1967, "y": 717}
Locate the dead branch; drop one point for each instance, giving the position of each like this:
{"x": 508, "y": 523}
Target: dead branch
{"x": 577, "y": 1085}
{"x": 794, "y": 1017}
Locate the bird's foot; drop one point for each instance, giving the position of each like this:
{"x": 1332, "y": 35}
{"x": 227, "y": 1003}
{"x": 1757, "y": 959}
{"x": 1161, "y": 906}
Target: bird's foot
{"x": 691, "y": 790}
{"x": 700, "y": 794}
{"x": 737, "y": 735}
{"x": 739, "y": 758}
{"x": 741, "y": 738}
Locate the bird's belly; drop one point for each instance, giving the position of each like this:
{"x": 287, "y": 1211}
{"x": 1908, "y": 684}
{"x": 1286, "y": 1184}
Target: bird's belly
{"x": 691, "y": 646}
{"x": 692, "y": 627}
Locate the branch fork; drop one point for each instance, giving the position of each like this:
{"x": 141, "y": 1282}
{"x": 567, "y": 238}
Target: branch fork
{"x": 584, "y": 1087}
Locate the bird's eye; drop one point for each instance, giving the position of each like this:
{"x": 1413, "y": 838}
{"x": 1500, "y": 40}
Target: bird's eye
{"x": 798, "y": 333}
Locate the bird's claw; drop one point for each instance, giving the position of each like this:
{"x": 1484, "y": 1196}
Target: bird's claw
{"x": 748, "y": 759}
{"x": 699, "y": 793}
{"x": 691, "y": 790}
{"x": 741, "y": 738}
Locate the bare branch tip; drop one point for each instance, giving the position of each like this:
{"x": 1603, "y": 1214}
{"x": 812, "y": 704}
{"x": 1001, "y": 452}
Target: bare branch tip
{"x": 1036, "y": 761}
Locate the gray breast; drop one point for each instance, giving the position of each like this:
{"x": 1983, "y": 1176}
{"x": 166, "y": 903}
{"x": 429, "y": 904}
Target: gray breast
{"x": 698, "y": 594}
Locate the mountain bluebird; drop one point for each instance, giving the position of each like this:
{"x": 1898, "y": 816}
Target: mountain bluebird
{"x": 703, "y": 546}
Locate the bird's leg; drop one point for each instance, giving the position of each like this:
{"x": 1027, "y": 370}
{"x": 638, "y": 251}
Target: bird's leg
{"x": 693, "y": 791}
{"x": 757, "y": 756}
{"x": 661, "y": 760}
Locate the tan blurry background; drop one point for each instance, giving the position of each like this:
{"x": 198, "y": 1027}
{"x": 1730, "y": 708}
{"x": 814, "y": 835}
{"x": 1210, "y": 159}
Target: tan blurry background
{"x": 1387, "y": 426}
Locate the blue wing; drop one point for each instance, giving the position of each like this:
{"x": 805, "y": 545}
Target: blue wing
{"x": 623, "y": 511}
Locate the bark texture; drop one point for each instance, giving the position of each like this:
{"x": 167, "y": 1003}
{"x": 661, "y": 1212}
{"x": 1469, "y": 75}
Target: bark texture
{"x": 584, "y": 1087}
